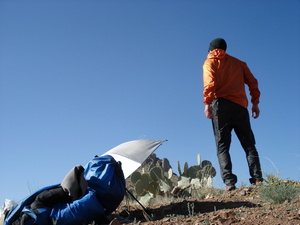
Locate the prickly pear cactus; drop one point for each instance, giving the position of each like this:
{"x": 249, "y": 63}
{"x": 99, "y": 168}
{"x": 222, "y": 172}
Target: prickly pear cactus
{"x": 150, "y": 167}
{"x": 170, "y": 173}
{"x": 185, "y": 169}
{"x": 203, "y": 170}
{"x": 193, "y": 170}
{"x": 195, "y": 183}
{"x": 141, "y": 187}
{"x": 164, "y": 186}
{"x": 154, "y": 187}
{"x": 154, "y": 182}
{"x": 156, "y": 173}
{"x": 207, "y": 169}
{"x": 145, "y": 178}
{"x": 184, "y": 182}
{"x": 207, "y": 182}
{"x": 179, "y": 169}
{"x": 198, "y": 159}
{"x": 135, "y": 176}
{"x": 132, "y": 191}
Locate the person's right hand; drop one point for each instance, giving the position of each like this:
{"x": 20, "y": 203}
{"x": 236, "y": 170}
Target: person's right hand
{"x": 208, "y": 111}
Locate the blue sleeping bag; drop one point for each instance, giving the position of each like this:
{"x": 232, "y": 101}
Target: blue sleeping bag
{"x": 105, "y": 176}
{"x": 16, "y": 211}
{"x": 106, "y": 190}
{"x": 78, "y": 212}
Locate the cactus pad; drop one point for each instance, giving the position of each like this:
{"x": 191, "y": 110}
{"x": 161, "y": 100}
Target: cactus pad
{"x": 135, "y": 176}
{"x": 198, "y": 159}
{"x": 141, "y": 187}
{"x": 192, "y": 171}
{"x": 185, "y": 168}
{"x": 178, "y": 167}
{"x": 170, "y": 173}
{"x": 153, "y": 187}
{"x": 145, "y": 178}
{"x": 156, "y": 173}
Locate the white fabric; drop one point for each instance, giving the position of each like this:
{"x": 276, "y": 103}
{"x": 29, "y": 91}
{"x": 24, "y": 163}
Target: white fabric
{"x": 128, "y": 165}
{"x": 133, "y": 153}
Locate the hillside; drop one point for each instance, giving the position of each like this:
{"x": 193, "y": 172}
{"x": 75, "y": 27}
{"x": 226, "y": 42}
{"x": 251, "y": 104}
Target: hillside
{"x": 241, "y": 206}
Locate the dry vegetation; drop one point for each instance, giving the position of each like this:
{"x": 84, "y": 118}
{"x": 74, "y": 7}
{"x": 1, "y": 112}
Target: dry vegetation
{"x": 242, "y": 206}
{"x": 275, "y": 201}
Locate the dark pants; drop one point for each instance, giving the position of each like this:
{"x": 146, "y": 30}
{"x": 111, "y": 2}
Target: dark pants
{"x": 228, "y": 115}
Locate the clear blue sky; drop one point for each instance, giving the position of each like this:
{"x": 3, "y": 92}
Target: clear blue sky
{"x": 78, "y": 78}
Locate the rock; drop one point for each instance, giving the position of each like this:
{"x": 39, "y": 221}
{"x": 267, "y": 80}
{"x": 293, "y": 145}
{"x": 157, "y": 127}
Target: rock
{"x": 115, "y": 221}
{"x": 158, "y": 163}
{"x": 153, "y": 160}
{"x": 242, "y": 193}
{"x": 165, "y": 164}
{"x": 227, "y": 214}
{"x": 209, "y": 196}
{"x": 165, "y": 220}
{"x": 175, "y": 190}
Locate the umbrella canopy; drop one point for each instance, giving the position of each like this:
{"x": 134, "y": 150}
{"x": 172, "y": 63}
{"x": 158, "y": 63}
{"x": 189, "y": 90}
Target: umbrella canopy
{"x": 133, "y": 153}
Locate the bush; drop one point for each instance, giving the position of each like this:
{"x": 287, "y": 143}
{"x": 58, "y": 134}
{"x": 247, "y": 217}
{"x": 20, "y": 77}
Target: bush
{"x": 277, "y": 191}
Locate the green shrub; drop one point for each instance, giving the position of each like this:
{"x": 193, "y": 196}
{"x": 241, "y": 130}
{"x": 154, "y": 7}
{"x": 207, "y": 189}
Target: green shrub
{"x": 277, "y": 191}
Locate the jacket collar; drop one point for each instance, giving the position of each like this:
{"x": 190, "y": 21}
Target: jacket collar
{"x": 217, "y": 54}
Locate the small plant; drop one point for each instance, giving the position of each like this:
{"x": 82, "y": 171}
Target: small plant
{"x": 54, "y": 222}
{"x": 206, "y": 220}
{"x": 191, "y": 209}
{"x": 277, "y": 191}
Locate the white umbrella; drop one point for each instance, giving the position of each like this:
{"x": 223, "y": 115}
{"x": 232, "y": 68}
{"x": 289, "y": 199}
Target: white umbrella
{"x": 133, "y": 153}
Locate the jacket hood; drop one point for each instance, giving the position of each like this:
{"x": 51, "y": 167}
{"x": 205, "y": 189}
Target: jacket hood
{"x": 217, "y": 54}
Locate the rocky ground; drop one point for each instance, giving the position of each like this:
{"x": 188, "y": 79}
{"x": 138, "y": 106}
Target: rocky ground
{"x": 241, "y": 206}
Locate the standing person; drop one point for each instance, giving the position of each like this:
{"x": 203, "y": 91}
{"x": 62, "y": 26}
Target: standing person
{"x": 226, "y": 105}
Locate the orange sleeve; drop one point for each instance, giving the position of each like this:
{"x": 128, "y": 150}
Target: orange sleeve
{"x": 252, "y": 83}
{"x": 209, "y": 82}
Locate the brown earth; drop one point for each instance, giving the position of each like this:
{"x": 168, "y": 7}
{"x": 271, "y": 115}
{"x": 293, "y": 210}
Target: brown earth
{"x": 241, "y": 206}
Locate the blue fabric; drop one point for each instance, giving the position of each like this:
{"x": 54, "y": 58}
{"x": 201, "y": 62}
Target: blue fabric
{"x": 15, "y": 212}
{"x": 104, "y": 175}
{"x": 41, "y": 218}
{"x": 106, "y": 191}
{"x": 29, "y": 211}
{"x": 81, "y": 211}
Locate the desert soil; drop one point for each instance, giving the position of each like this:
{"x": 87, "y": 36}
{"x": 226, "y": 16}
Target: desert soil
{"x": 241, "y": 206}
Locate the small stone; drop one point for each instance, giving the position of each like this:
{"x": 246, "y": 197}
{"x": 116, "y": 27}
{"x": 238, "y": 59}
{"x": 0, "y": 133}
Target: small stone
{"x": 242, "y": 193}
{"x": 293, "y": 218}
{"x": 115, "y": 221}
{"x": 166, "y": 220}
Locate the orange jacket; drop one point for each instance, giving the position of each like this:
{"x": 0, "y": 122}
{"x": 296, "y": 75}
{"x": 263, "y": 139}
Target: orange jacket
{"x": 225, "y": 76}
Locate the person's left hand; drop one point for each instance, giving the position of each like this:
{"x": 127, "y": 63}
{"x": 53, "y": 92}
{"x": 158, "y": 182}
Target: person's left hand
{"x": 255, "y": 111}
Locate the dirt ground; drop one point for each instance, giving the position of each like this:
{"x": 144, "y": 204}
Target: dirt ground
{"x": 241, "y": 206}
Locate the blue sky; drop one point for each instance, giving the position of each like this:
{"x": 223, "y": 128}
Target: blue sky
{"x": 78, "y": 78}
